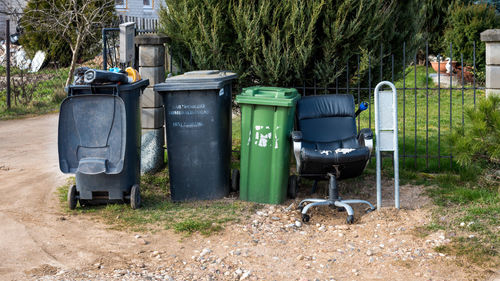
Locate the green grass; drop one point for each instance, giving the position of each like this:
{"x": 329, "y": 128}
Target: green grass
{"x": 47, "y": 94}
{"x": 438, "y": 112}
{"x": 159, "y": 212}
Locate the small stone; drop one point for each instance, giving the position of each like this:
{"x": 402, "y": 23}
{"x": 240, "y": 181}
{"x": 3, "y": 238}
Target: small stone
{"x": 205, "y": 251}
{"x": 354, "y": 270}
{"x": 238, "y": 272}
{"x": 462, "y": 224}
{"x": 369, "y": 253}
{"x": 275, "y": 218}
{"x": 142, "y": 241}
{"x": 245, "y": 275}
{"x": 300, "y": 257}
{"x": 342, "y": 227}
{"x": 237, "y": 252}
{"x": 298, "y": 224}
{"x": 322, "y": 228}
{"x": 341, "y": 234}
{"x": 137, "y": 236}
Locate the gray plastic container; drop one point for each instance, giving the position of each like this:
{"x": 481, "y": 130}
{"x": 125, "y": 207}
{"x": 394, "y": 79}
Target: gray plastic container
{"x": 198, "y": 126}
{"x": 99, "y": 140}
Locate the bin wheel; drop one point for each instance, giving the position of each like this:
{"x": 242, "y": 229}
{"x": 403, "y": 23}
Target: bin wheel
{"x": 72, "y": 197}
{"x": 83, "y": 203}
{"x": 135, "y": 197}
{"x": 235, "y": 180}
{"x": 293, "y": 186}
{"x": 350, "y": 219}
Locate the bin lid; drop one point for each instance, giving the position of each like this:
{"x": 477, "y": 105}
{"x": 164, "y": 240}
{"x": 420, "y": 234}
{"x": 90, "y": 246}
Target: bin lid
{"x": 273, "y": 96}
{"x": 197, "y": 80}
{"x": 92, "y": 134}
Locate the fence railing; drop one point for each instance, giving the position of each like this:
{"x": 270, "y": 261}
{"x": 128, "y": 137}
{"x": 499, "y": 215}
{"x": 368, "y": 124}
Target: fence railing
{"x": 431, "y": 103}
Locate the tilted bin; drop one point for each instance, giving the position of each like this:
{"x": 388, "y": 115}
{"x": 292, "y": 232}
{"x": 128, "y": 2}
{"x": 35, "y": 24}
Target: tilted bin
{"x": 99, "y": 140}
{"x": 198, "y": 127}
{"x": 267, "y": 117}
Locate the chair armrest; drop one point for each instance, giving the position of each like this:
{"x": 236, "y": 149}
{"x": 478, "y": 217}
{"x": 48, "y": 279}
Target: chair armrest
{"x": 296, "y": 136}
{"x": 365, "y": 138}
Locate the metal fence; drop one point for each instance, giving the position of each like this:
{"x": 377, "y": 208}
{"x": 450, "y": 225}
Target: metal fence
{"x": 23, "y": 87}
{"x": 431, "y": 103}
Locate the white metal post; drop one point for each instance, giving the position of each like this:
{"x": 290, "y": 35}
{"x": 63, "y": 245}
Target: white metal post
{"x": 386, "y": 131}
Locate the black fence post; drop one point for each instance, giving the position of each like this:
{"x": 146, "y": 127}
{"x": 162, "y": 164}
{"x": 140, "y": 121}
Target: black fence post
{"x": 104, "y": 50}
{"x": 7, "y": 49}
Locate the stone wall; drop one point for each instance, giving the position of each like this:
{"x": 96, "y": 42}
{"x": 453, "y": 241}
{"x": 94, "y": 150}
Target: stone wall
{"x": 492, "y": 39}
{"x": 152, "y": 67}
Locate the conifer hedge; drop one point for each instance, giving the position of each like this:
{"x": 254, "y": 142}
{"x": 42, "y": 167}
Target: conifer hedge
{"x": 290, "y": 42}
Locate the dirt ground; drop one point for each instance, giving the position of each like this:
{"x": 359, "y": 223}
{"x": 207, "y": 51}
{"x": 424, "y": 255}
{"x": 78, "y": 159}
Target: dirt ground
{"x": 38, "y": 241}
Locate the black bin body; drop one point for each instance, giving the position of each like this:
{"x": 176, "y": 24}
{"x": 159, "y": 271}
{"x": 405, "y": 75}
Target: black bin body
{"x": 99, "y": 140}
{"x": 198, "y": 126}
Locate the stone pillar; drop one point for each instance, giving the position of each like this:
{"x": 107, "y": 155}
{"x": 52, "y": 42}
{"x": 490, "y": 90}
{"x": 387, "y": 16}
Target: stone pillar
{"x": 152, "y": 67}
{"x": 491, "y": 38}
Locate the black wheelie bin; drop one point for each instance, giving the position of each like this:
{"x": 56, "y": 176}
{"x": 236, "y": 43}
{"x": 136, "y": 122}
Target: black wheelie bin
{"x": 198, "y": 126}
{"x": 99, "y": 140}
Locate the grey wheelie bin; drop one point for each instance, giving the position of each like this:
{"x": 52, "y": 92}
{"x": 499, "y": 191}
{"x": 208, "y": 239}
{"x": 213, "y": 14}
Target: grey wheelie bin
{"x": 99, "y": 140}
{"x": 198, "y": 126}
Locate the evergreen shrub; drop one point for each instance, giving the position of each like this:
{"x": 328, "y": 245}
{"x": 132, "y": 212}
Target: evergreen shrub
{"x": 290, "y": 42}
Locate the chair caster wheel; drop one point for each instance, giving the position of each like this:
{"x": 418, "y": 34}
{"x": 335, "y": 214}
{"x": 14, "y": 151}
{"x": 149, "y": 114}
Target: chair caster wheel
{"x": 350, "y": 219}
{"x": 340, "y": 209}
{"x": 305, "y": 217}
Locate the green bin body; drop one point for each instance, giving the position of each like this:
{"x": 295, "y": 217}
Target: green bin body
{"x": 267, "y": 117}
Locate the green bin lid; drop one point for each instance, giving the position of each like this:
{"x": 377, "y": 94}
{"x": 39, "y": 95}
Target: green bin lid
{"x": 272, "y": 96}
{"x": 197, "y": 80}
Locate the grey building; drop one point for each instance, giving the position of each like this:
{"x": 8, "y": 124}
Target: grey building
{"x": 143, "y": 12}
{"x": 10, "y": 9}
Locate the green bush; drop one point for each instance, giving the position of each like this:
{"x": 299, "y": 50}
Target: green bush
{"x": 289, "y": 42}
{"x": 34, "y": 37}
{"x": 479, "y": 140}
{"x": 465, "y": 24}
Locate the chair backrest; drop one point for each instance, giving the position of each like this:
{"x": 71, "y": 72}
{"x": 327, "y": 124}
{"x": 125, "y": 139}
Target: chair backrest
{"x": 327, "y": 121}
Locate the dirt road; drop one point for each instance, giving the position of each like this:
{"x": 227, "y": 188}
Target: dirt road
{"x": 33, "y": 232}
{"x": 39, "y": 241}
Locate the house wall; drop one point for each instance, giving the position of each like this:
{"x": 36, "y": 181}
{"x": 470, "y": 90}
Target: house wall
{"x": 135, "y": 8}
{"x": 16, "y": 4}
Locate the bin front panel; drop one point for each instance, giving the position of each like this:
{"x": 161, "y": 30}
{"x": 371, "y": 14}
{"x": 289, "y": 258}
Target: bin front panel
{"x": 198, "y": 126}
{"x": 265, "y": 152}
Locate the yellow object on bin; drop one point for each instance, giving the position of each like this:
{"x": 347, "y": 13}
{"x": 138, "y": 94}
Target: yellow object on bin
{"x": 133, "y": 75}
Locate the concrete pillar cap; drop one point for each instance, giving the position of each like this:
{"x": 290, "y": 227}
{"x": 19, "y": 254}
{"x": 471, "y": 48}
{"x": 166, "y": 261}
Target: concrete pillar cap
{"x": 490, "y": 35}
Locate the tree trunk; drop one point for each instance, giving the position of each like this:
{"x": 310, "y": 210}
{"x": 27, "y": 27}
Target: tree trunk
{"x": 76, "y": 50}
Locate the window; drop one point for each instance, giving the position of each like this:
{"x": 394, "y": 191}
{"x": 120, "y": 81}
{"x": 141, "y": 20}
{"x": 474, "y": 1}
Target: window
{"x": 148, "y": 4}
{"x": 122, "y": 4}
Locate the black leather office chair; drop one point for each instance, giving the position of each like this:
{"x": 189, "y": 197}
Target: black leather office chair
{"x": 327, "y": 146}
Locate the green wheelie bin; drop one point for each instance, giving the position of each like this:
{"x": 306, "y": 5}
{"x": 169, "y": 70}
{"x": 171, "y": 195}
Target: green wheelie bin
{"x": 267, "y": 117}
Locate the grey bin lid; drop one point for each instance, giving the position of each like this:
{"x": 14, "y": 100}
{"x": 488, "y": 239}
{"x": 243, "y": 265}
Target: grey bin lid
{"x": 197, "y": 80}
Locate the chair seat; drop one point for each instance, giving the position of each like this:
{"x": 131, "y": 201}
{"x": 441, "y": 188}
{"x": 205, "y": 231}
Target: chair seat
{"x": 338, "y": 156}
